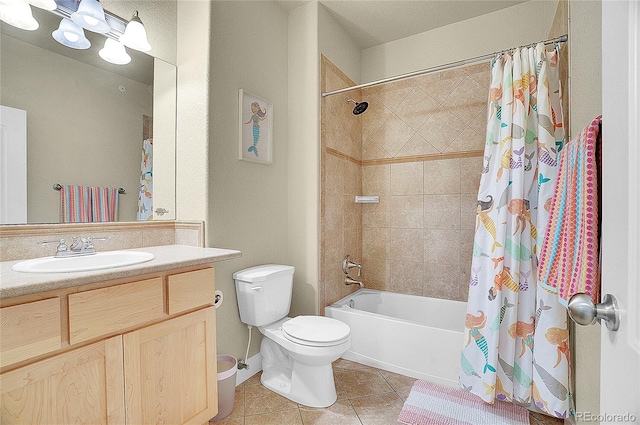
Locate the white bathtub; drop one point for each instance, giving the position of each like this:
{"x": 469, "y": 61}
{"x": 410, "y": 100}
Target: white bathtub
{"x": 411, "y": 335}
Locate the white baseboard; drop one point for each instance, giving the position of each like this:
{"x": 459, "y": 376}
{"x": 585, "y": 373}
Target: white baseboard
{"x": 255, "y": 366}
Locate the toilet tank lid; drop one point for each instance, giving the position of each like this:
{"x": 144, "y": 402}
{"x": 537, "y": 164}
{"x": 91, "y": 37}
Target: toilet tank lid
{"x": 263, "y": 272}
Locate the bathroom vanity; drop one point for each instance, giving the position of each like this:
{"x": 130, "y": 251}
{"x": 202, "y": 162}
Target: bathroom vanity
{"x": 126, "y": 345}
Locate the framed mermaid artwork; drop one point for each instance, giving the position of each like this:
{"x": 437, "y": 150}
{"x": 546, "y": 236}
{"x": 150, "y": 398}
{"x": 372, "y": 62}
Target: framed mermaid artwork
{"x": 256, "y": 128}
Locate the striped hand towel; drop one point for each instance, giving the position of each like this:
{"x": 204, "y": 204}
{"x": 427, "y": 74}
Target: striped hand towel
{"x": 74, "y": 204}
{"x": 569, "y": 257}
{"x": 82, "y": 204}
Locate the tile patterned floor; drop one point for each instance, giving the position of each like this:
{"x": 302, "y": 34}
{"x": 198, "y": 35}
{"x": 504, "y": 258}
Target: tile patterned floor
{"x": 366, "y": 396}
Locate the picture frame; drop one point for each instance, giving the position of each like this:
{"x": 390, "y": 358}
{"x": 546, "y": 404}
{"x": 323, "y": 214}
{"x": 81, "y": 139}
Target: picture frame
{"x": 255, "y": 128}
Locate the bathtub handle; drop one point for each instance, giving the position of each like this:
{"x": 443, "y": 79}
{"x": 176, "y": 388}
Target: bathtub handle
{"x": 257, "y": 288}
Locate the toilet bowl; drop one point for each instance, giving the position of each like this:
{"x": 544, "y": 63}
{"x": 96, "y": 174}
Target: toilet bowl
{"x": 301, "y": 371}
{"x": 296, "y": 352}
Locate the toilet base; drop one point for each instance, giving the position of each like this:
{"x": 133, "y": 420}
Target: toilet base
{"x": 308, "y": 385}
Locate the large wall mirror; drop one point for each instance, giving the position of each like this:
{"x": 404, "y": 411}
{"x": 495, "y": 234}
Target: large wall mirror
{"x": 87, "y": 119}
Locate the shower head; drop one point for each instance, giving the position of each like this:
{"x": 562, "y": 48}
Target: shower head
{"x": 360, "y": 106}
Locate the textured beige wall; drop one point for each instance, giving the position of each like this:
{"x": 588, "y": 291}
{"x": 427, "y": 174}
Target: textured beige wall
{"x": 39, "y": 81}
{"x": 193, "y": 103}
{"x": 524, "y": 23}
{"x": 337, "y": 45}
{"x": 248, "y": 208}
{"x": 585, "y": 81}
{"x": 303, "y": 159}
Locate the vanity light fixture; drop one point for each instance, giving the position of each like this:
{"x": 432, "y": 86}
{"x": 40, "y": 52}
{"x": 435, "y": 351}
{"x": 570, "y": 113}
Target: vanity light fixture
{"x": 71, "y": 35}
{"x": 114, "y": 52}
{"x": 135, "y": 36}
{"x": 90, "y": 16}
{"x": 18, "y": 14}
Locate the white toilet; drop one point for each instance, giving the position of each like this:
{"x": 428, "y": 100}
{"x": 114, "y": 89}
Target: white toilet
{"x": 296, "y": 352}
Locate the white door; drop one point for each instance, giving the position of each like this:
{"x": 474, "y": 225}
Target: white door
{"x": 13, "y": 165}
{"x": 620, "y": 351}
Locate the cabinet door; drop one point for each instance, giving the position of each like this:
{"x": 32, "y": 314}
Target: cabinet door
{"x": 170, "y": 371}
{"x": 82, "y": 386}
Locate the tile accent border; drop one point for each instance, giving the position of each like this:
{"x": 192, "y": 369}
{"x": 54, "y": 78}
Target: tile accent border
{"x": 403, "y": 159}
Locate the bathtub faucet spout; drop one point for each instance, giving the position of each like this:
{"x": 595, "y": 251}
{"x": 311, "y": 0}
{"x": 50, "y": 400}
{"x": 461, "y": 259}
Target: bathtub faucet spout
{"x": 349, "y": 281}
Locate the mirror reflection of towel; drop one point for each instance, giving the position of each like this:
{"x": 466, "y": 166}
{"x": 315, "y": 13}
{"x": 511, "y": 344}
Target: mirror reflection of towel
{"x": 82, "y": 204}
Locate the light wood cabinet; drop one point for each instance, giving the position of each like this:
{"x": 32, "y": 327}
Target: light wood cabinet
{"x": 112, "y": 353}
{"x": 29, "y": 329}
{"x": 170, "y": 371}
{"x": 85, "y": 385}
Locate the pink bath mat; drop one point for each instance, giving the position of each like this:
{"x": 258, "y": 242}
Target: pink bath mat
{"x": 432, "y": 404}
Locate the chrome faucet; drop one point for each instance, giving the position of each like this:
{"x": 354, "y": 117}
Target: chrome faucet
{"x": 347, "y": 265}
{"x": 349, "y": 281}
{"x": 82, "y": 246}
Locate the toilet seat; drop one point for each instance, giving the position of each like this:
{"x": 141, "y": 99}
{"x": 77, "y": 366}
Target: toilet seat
{"x": 316, "y": 331}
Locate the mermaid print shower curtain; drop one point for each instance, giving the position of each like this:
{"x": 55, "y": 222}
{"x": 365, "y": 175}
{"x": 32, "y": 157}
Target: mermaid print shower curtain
{"x": 516, "y": 335}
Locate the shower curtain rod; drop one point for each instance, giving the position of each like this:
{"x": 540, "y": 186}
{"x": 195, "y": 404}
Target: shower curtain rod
{"x": 561, "y": 39}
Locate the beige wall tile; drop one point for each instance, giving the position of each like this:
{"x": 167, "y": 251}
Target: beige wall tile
{"x": 376, "y": 115}
{"x": 442, "y": 281}
{"x": 376, "y": 274}
{"x": 416, "y": 108}
{"x": 352, "y": 212}
{"x": 470, "y": 172}
{"x": 442, "y": 211}
{"x": 407, "y": 277}
{"x": 442, "y": 176}
{"x": 392, "y": 135}
{"x": 468, "y": 203}
{"x": 372, "y": 150}
{"x": 441, "y": 88}
{"x": 467, "y": 100}
{"x": 441, "y": 246}
{"x": 441, "y": 129}
{"x": 407, "y": 178}
{"x": 394, "y": 94}
{"x": 377, "y": 215}
{"x": 376, "y": 179}
{"x": 417, "y": 145}
{"x": 468, "y": 140}
{"x": 333, "y": 211}
{"x": 375, "y": 243}
{"x": 334, "y": 174}
{"x": 352, "y": 178}
{"x": 406, "y": 211}
{"x": 406, "y": 245}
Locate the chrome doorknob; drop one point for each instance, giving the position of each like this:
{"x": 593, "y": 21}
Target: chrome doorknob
{"x": 583, "y": 311}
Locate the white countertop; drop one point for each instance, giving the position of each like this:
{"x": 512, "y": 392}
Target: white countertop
{"x": 167, "y": 257}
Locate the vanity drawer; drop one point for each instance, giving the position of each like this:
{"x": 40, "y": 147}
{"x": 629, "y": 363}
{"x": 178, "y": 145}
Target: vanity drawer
{"x": 189, "y": 290}
{"x": 114, "y": 308}
{"x": 29, "y": 330}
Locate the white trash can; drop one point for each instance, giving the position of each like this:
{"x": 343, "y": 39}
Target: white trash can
{"x": 227, "y": 370}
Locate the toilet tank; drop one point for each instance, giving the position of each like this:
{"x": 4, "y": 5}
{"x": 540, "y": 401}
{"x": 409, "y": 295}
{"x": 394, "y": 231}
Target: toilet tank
{"x": 264, "y": 293}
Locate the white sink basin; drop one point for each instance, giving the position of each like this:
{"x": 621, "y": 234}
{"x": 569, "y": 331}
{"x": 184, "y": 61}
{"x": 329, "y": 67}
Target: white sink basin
{"x": 101, "y": 260}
